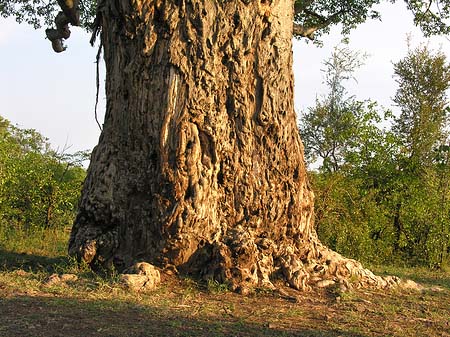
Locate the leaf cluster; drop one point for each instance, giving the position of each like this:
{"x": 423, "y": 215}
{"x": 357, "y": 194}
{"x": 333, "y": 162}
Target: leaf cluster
{"x": 41, "y": 13}
{"x": 315, "y": 17}
{"x": 312, "y": 17}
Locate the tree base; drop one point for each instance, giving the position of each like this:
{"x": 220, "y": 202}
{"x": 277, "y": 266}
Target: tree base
{"x": 246, "y": 263}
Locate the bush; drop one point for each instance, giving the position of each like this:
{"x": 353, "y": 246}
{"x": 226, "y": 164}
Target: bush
{"x": 39, "y": 188}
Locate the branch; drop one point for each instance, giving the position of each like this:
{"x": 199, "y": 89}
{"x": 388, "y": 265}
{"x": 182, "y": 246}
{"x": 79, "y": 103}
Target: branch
{"x": 70, "y": 14}
{"x": 429, "y": 5}
{"x": 309, "y": 32}
{"x": 300, "y": 30}
{"x": 300, "y": 6}
{"x": 317, "y": 16}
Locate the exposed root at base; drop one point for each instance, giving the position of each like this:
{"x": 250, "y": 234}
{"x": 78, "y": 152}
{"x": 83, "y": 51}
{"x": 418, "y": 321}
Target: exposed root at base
{"x": 330, "y": 269}
{"x": 245, "y": 263}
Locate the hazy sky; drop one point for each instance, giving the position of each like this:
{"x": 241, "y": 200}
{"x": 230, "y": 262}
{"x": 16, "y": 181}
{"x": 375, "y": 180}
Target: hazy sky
{"x": 55, "y": 93}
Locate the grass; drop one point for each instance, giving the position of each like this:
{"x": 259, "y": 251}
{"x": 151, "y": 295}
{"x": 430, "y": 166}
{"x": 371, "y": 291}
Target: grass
{"x": 94, "y": 306}
{"x": 34, "y": 241}
{"x": 439, "y": 278}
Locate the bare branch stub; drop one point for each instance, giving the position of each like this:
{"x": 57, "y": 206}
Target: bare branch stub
{"x": 70, "y": 14}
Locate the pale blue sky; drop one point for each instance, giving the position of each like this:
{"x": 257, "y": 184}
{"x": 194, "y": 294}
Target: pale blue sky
{"x": 55, "y": 93}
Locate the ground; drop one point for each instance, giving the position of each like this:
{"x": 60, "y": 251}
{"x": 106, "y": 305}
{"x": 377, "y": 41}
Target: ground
{"x": 96, "y": 306}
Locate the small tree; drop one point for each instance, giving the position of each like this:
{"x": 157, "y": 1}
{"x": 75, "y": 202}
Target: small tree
{"x": 423, "y": 77}
{"x": 356, "y": 155}
{"x": 333, "y": 128}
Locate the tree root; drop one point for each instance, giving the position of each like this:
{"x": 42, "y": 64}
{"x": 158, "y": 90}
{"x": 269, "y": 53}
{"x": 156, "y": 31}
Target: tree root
{"x": 329, "y": 268}
{"x": 245, "y": 263}
{"x": 70, "y": 14}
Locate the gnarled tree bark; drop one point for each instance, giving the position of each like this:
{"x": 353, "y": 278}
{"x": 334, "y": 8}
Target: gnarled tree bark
{"x": 200, "y": 165}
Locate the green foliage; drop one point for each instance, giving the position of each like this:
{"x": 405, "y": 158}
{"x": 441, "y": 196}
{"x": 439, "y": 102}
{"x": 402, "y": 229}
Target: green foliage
{"x": 317, "y": 16}
{"x": 217, "y": 288}
{"x": 338, "y": 125}
{"x": 387, "y": 197}
{"x": 422, "y": 209}
{"x": 42, "y": 13}
{"x": 320, "y": 15}
{"x": 39, "y": 188}
{"x": 38, "y": 242}
{"x": 431, "y": 16}
{"x": 423, "y": 79}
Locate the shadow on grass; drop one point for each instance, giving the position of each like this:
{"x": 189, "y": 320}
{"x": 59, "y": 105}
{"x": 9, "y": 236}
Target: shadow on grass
{"x": 443, "y": 282}
{"x": 11, "y": 261}
{"x": 40, "y": 316}
{"x": 426, "y": 277}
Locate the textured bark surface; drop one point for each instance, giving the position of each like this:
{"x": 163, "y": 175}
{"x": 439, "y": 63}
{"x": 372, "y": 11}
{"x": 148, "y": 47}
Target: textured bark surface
{"x": 200, "y": 165}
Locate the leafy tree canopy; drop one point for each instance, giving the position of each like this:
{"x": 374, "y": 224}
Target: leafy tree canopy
{"x": 39, "y": 13}
{"x": 317, "y": 16}
{"x": 312, "y": 17}
{"x": 423, "y": 77}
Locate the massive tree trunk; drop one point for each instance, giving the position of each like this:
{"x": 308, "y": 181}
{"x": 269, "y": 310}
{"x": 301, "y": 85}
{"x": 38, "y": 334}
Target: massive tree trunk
{"x": 200, "y": 165}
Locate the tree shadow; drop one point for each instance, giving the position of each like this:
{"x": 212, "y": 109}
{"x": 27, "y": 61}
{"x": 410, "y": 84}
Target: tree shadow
{"x": 443, "y": 282}
{"x": 430, "y": 279}
{"x": 51, "y": 317}
{"x": 29, "y": 262}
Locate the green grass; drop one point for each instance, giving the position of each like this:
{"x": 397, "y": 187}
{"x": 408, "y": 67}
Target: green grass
{"x": 50, "y": 243}
{"x": 440, "y": 278}
{"x": 96, "y": 306}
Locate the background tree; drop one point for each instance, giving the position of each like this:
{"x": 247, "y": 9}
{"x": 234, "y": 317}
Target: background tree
{"x": 388, "y": 200}
{"x": 355, "y": 155}
{"x": 330, "y": 129}
{"x": 439, "y": 247}
{"x": 424, "y": 78}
